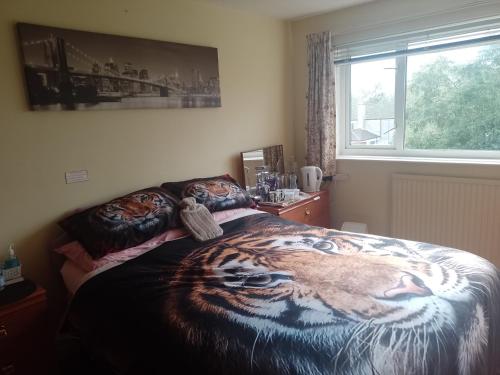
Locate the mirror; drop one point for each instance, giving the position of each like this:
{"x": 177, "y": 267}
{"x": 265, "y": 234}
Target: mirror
{"x": 271, "y": 156}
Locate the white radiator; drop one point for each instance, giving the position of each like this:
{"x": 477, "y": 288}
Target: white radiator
{"x": 456, "y": 212}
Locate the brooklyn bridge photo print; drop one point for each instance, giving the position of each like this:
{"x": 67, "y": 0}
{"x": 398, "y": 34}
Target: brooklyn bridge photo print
{"x": 78, "y": 70}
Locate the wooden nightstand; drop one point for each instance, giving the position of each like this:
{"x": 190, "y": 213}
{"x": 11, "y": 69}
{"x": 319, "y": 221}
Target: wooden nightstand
{"x": 311, "y": 211}
{"x": 24, "y": 336}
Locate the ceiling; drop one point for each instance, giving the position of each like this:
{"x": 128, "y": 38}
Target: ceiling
{"x": 287, "y": 9}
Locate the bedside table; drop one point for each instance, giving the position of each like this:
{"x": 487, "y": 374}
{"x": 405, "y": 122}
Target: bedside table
{"x": 311, "y": 211}
{"x": 23, "y": 335}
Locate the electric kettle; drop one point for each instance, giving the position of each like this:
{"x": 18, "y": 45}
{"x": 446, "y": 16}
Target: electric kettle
{"x": 311, "y": 178}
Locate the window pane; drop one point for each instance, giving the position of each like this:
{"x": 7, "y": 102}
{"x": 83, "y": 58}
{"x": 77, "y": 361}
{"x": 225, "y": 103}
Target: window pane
{"x": 372, "y": 103}
{"x": 453, "y": 99}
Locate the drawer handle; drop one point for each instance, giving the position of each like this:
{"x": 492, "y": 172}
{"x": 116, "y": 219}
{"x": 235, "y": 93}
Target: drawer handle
{"x": 3, "y": 331}
{"x": 308, "y": 211}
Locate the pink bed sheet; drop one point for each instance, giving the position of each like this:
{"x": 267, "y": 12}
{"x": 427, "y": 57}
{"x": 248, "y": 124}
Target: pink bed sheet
{"x": 72, "y": 276}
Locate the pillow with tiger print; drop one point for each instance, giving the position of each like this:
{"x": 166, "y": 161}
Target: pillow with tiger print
{"x": 123, "y": 222}
{"x": 216, "y": 193}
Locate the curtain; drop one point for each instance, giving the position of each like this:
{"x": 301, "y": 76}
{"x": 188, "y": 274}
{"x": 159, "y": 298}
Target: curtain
{"x": 320, "y": 122}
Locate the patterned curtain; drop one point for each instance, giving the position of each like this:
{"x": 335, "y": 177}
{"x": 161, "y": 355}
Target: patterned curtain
{"x": 320, "y": 124}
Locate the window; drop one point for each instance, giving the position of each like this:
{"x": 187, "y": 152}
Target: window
{"x": 436, "y": 96}
{"x": 372, "y": 103}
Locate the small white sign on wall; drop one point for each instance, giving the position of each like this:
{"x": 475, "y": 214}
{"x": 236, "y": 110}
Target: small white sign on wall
{"x": 76, "y": 176}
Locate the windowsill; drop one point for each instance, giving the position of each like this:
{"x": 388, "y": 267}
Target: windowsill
{"x": 413, "y": 159}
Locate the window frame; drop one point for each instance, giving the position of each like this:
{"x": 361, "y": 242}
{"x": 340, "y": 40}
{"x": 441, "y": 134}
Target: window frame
{"x": 343, "y": 97}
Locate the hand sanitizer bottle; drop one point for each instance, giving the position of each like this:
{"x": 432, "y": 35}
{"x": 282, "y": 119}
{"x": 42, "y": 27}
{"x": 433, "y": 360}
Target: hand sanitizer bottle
{"x": 12, "y": 267}
{"x": 12, "y": 261}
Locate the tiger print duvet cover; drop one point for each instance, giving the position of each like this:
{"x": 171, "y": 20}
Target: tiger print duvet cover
{"x": 276, "y": 297}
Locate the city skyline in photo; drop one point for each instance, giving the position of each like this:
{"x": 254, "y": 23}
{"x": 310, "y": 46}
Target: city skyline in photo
{"x": 160, "y": 58}
{"x": 70, "y": 67}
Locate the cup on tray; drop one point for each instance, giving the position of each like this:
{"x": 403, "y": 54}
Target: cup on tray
{"x": 276, "y": 196}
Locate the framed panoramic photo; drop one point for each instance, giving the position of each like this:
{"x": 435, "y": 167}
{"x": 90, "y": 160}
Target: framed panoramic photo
{"x": 79, "y": 70}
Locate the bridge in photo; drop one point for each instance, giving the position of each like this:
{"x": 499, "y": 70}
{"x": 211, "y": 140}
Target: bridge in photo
{"x": 56, "y": 80}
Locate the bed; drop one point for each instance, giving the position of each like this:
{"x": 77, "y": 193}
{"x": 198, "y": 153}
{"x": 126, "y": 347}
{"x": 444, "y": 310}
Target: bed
{"x": 276, "y": 297}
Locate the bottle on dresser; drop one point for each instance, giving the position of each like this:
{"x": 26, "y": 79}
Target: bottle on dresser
{"x": 12, "y": 268}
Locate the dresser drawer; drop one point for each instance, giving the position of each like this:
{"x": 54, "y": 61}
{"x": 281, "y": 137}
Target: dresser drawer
{"x": 25, "y": 358}
{"x": 23, "y": 336}
{"x": 23, "y": 322}
{"x": 314, "y": 212}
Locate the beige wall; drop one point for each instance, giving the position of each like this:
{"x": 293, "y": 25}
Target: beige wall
{"x": 125, "y": 150}
{"x": 130, "y": 149}
{"x": 365, "y": 195}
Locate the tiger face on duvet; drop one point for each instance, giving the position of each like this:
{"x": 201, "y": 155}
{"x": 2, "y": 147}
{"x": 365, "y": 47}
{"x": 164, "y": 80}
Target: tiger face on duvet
{"x": 305, "y": 300}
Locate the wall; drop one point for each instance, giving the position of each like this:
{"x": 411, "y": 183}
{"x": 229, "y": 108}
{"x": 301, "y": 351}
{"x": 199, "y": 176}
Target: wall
{"x": 125, "y": 150}
{"x": 365, "y": 195}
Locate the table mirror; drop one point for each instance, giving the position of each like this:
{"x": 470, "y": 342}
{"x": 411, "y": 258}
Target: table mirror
{"x": 271, "y": 156}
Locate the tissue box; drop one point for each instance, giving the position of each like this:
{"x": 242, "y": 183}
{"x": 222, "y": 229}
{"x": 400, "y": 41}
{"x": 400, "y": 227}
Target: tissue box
{"x": 12, "y": 273}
